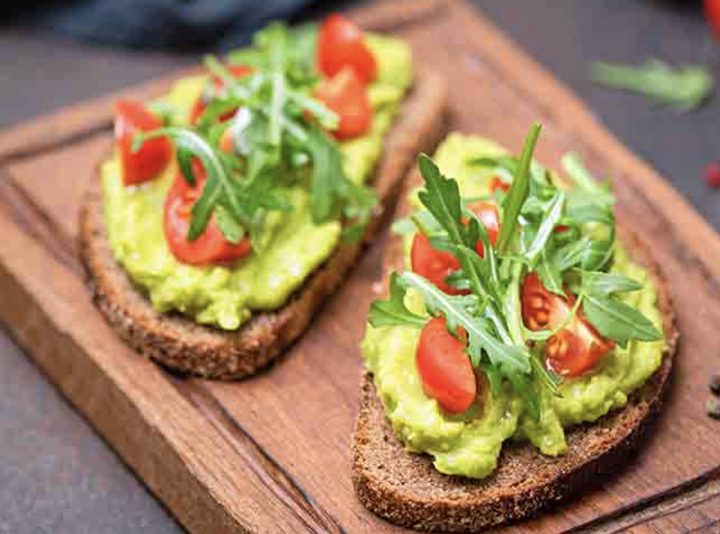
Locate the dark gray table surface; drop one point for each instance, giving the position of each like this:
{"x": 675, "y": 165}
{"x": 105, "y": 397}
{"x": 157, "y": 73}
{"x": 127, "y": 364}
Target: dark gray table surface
{"x": 56, "y": 475}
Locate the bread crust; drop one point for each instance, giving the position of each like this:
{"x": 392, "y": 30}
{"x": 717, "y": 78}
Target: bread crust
{"x": 406, "y": 489}
{"x": 180, "y": 343}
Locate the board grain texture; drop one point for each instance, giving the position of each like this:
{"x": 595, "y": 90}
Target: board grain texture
{"x": 272, "y": 454}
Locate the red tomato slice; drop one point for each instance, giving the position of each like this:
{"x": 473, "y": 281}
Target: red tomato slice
{"x": 446, "y": 372}
{"x": 577, "y": 347}
{"x": 712, "y": 12}
{"x": 211, "y": 247}
{"x": 341, "y": 44}
{"x": 435, "y": 265}
{"x": 497, "y": 183}
{"x": 489, "y": 215}
{"x": 238, "y": 71}
{"x": 346, "y": 95}
{"x": 154, "y": 155}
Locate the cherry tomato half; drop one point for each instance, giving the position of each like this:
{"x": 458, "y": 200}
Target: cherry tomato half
{"x": 433, "y": 264}
{"x": 211, "y": 247}
{"x": 345, "y": 94}
{"x": 238, "y": 71}
{"x": 488, "y": 214}
{"x": 436, "y": 265}
{"x": 341, "y": 44}
{"x": 154, "y": 155}
{"x": 712, "y": 12}
{"x": 444, "y": 367}
{"x": 576, "y": 348}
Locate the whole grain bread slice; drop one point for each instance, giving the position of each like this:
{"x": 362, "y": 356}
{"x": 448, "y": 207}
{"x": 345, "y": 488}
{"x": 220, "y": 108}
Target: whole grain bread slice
{"x": 180, "y": 343}
{"x": 406, "y": 489}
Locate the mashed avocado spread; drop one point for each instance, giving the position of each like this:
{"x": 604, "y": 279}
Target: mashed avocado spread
{"x": 226, "y": 296}
{"x": 469, "y": 444}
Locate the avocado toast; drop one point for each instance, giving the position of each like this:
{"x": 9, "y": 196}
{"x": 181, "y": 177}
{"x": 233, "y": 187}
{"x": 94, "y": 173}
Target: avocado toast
{"x": 226, "y": 301}
{"x": 446, "y": 467}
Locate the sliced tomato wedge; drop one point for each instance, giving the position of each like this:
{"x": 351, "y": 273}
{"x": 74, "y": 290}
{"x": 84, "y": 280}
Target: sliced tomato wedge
{"x": 497, "y": 183}
{"x": 211, "y": 247}
{"x": 346, "y": 95}
{"x": 446, "y": 372}
{"x": 238, "y": 71}
{"x": 576, "y": 348}
{"x": 341, "y": 44}
{"x": 147, "y": 163}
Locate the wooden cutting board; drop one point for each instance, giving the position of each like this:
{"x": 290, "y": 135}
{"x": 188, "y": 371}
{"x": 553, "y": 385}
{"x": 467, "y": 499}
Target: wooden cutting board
{"x": 272, "y": 454}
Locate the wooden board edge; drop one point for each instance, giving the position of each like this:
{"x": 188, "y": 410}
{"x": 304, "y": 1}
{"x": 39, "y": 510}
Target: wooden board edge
{"x": 73, "y": 123}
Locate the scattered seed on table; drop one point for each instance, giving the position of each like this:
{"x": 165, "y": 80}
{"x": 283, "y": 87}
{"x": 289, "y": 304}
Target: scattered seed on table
{"x": 712, "y": 408}
{"x": 712, "y": 175}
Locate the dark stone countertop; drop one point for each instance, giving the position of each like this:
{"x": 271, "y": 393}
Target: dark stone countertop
{"x": 56, "y": 475}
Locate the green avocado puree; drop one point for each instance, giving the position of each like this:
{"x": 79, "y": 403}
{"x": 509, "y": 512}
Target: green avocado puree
{"x": 292, "y": 247}
{"x": 469, "y": 444}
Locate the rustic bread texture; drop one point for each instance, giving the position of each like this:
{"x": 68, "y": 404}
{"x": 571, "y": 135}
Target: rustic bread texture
{"x": 178, "y": 342}
{"x": 407, "y": 490}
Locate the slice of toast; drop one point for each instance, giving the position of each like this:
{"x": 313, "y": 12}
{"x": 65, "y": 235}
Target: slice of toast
{"x": 179, "y": 342}
{"x": 406, "y": 489}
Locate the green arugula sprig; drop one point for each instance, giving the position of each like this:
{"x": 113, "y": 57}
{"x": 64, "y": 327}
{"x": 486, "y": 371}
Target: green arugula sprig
{"x": 279, "y": 144}
{"x": 532, "y": 210}
{"x": 684, "y": 88}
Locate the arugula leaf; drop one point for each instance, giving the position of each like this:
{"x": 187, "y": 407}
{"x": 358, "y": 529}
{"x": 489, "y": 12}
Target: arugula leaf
{"x": 328, "y": 118}
{"x": 509, "y": 163}
{"x": 494, "y": 377}
{"x": 441, "y": 197}
{"x": 589, "y": 213}
{"x": 278, "y": 84}
{"x": 424, "y": 221}
{"x": 590, "y": 254}
{"x": 550, "y": 273}
{"x": 216, "y": 109}
{"x": 229, "y": 227}
{"x": 203, "y": 208}
{"x": 555, "y": 212}
{"x": 515, "y": 197}
{"x": 331, "y": 189}
{"x": 683, "y": 88}
{"x": 393, "y": 312}
{"x": 596, "y": 192}
{"x": 618, "y": 321}
{"x": 184, "y": 159}
{"x": 232, "y": 84}
{"x": 607, "y": 284}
